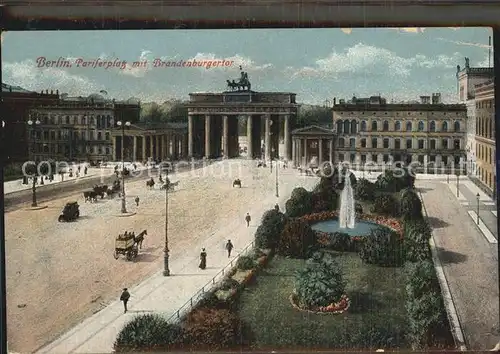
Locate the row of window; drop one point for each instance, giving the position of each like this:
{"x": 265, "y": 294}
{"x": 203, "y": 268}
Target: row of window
{"x": 350, "y": 127}
{"x": 101, "y": 121}
{"x": 485, "y": 127}
{"x": 65, "y": 149}
{"x": 397, "y": 143}
{"x": 485, "y": 153}
{"x": 487, "y": 178}
{"x": 65, "y": 134}
{"x": 398, "y": 113}
{"x": 485, "y": 104}
{"x": 386, "y": 158}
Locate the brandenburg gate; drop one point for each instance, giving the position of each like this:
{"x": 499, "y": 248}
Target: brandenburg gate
{"x": 213, "y": 127}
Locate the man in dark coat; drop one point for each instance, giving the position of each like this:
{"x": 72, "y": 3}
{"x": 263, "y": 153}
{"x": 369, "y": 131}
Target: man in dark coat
{"x": 124, "y": 297}
{"x": 248, "y": 219}
{"x": 229, "y": 248}
{"x": 137, "y": 201}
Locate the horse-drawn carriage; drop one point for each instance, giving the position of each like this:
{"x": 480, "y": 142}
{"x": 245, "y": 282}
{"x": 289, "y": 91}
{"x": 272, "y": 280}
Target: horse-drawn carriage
{"x": 71, "y": 212}
{"x": 128, "y": 244}
{"x": 125, "y": 244}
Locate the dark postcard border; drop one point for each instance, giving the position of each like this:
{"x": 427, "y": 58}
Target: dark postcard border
{"x": 220, "y": 14}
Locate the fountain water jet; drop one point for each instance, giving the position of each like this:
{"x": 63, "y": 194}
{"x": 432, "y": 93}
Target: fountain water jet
{"x": 347, "y": 214}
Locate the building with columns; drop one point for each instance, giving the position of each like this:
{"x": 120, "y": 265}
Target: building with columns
{"x": 485, "y": 136}
{"x": 467, "y": 79}
{"x": 312, "y": 145}
{"x": 370, "y": 130}
{"x": 143, "y": 142}
{"x": 213, "y": 123}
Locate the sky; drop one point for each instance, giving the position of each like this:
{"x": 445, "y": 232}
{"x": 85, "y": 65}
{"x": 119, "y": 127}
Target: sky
{"x": 316, "y": 64}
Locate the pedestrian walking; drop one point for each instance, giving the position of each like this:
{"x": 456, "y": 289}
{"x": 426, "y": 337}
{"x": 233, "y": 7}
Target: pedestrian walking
{"x": 85, "y": 170}
{"x": 229, "y": 248}
{"x": 137, "y": 201}
{"x": 248, "y": 219}
{"x": 124, "y": 297}
{"x": 203, "y": 259}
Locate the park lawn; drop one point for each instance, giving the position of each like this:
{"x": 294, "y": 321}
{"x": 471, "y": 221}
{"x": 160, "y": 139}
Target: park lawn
{"x": 377, "y": 301}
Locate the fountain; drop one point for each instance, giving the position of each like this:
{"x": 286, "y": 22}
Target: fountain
{"x": 346, "y": 221}
{"x": 347, "y": 212}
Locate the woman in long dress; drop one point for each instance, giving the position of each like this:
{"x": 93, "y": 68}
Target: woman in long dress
{"x": 203, "y": 259}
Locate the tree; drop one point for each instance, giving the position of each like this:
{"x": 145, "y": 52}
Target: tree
{"x": 320, "y": 282}
{"x": 364, "y": 190}
{"x": 299, "y": 204}
{"x": 313, "y": 115}
{"x": 411, "y": 206}
{"x": 269, "y": 231}
{"x": 178, "y": 113}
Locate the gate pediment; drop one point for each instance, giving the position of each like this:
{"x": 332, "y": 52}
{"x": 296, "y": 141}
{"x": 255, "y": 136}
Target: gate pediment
{"x": 313, "y": 130}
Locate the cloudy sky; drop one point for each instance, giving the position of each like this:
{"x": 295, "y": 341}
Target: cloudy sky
{"x": 317, "y": 64}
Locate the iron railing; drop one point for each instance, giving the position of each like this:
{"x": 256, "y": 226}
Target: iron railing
{"x": 193, "y": 301}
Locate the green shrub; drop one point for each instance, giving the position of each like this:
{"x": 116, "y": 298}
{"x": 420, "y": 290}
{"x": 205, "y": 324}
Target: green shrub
{"x": 364, "y": 190}
{"x": 425, "y": 317}
{"x": 299, "y": 204}
{"x": 149, "y": 332}
{"x": 320, "y": 282}
{"x": 377, "y": 338}
{"x": 358, "y": 208}
{"x": 417, "y": 251}
{"x": 394, "y": 180}
{"x": 297, "y": 240}
{"x": 212, "y": 329}
{"x": 420, "y": 278}
{"x": 385, "y": 204}
{"x": 382, "y": 247}
{"x": 229, "y": 283}
{"x": 340, "y": 241}
{"x": 411, "y": 205}
{"x": 256, "y": 253}
{"x": 245, "y": 263}
{"x": 417, "y": 230}
{"x": 268, "y": 233}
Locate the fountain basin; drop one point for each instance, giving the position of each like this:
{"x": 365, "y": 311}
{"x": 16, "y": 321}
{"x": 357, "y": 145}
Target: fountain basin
{"x": 361, "y": 228}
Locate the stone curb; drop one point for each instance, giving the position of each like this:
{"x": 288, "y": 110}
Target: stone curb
{"x": 124, "y": 215}
{"x": 40, "y": 207}
{"x": 456, "y": 328}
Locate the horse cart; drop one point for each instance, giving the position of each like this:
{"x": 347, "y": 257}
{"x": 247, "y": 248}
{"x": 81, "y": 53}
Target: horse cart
{"x": 71, "y": 212}
{"x": 125, "y": 244}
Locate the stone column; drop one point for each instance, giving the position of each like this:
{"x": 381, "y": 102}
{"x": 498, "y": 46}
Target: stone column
{"x": 164, "y": 147}
{"x": 287, "y": 138}
{"x": 249, "y": 138}
{"x": 300, "y": 158}
{"x": 208, "y": 143}
{"x": 151, "y": 145}
{"x": 158, "y": 151}
{"x": 331, "y": 151}
{"x": 134, "y": 157}
{"x": 267, "y": 137}
{"x": 114, "y": 149}
{"x": 225, "y": 136}
{"x": 144, "y": 140}
{"x": 320, "y": 151}
{"x": 306, "y": 161}
{"x": 190, "y": 135}
{"x": 294, "y": 152}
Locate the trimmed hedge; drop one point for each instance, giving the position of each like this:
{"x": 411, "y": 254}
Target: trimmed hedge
{"x": 410, "y": 204}
{"x": 297, "y": 240}
{"x": 299, "y": 204}
{"x": 245, "y": 263}
{"x": 365, "y": 190}
{"x": 417, "y": 234}
{"x": 382, "y": 247}
{"x": 385, "y": 204}
{"x": 149, "y": 332}
{"x": 269, "y": 231}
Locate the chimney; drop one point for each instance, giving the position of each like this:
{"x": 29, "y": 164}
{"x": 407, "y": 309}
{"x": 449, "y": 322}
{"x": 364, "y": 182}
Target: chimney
{"x": 436, "y": 98}
{"x": 425, "y": 99}
{"x": 334, "y": 101}
{"x": 57, "y": 92}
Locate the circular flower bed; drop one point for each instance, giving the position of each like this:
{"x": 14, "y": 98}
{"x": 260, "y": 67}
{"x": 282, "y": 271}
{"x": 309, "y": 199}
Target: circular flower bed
{"x": 391, "y": 223}
{"x": 336, "y": 308}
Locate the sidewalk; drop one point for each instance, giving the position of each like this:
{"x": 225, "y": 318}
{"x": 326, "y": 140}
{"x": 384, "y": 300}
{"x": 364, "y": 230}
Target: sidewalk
{"x": 167, "y": 294}
{"x": 469, "y": 262}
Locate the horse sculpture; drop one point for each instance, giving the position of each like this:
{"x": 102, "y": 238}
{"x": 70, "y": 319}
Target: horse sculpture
{"x": 237, "y": 182}
{"x": 139, "y": 239}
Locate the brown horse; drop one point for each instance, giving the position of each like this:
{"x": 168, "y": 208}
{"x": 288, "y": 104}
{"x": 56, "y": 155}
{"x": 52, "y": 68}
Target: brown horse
{"x": 140, "y": 238}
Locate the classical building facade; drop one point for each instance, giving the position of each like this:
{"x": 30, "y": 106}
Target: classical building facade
{"x": 16, "y": 105}
{"x": 312, "y": 145}
{"x": 485, "y": 135}
{"x": 78, "y": 128}
{"x": 143, "y": 142}
{"x": 467, "y": 79}
{"x": 370, "y": 130}
{"x": 213, "y": 123}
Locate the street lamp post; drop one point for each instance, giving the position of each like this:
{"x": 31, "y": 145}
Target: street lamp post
{"x": 277, "y": 182}
{"x": 477, "y": 197}
{"x": 123, "y": 125}
{"x": 166, "y": 270}
{"x": 458, "y": 183}
{"x": 33, "y": 124}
